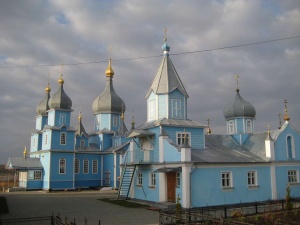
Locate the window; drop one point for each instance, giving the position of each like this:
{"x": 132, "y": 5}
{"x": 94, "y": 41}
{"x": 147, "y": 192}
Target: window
{"x": 62, "y": 118}
{"x": 35, "y": 175}
{"x": 115, "y": 121}
{"x": 252, "y": 180}
{"x": 226, "y": 180}
{"x": 62, "y": 166}
{"x": 95, "y": 166}
{"x": 152, "y": 110}
{"x": 248, "y": 126}
{"x": 176, "y": 108}
{"x": 178, "y": 179}
{"x": 290, "y": 147}
{"x": 81, "y": 143}
{"x": 86, "y": 166}
{"x": 77, "y": 166}
{"x": 231, "y": 127}
{"x": 152, "y": 179}
{"x": 46, "y": 139}
{"x": 139, "y": 179}
{"x": 98, "y": 122}
{"x": 146, "y": 143}
{"x": 292, "y": 176}
{"x": 181, "y": 136}
{"x": 63, "y": 138}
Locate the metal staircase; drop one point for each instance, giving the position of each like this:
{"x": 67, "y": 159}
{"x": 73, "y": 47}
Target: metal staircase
{"x": 125, "y": 181}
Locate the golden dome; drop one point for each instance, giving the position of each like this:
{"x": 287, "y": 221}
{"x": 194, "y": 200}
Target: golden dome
{"x": 80, "y": 116}
{"x": 25, "y": 152}
{"x": 61, "y": 80}
{"x": 109, "y": 71}
{"x": 208, "y": 131}
{"x": 48, "y": 89}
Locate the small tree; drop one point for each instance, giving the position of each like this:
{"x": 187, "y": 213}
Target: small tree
{"x": 288, "y": 202}
{"x": 178, "y": 210}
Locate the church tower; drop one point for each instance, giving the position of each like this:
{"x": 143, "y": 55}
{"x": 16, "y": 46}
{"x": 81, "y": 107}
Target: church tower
{"x": 166, "y": 97}
{"x": 239, "y": 115}
{"x": 108, "y": 106}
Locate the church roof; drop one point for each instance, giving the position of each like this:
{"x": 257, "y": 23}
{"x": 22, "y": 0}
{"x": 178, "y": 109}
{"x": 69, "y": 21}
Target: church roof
{"x": 43, "y": 107}
{"x": 238, "y": 107}
{"x": 108, "y": 101}
{"x": 80, "y": 128}
{"x": 171, "y": 122}
{"x": 23, "y": 163}
{"x": 166, "y": 79}
{"x": 60, "y": 100}
{"x": 224, "y": 149}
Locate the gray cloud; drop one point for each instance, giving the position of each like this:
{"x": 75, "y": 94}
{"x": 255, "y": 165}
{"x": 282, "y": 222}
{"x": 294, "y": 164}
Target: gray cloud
{"x": 57, "y": 32}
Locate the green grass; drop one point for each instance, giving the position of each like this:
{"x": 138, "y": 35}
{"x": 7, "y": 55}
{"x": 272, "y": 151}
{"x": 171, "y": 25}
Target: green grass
{"x": 124, "y": 203}
{"x": 3, "y": 205}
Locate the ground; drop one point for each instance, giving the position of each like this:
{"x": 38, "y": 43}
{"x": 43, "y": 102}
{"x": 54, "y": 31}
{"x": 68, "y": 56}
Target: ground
{"x": 78, "y": 205}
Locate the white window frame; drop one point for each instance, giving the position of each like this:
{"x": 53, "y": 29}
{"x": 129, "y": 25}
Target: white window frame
{"x": 226, "y": 180}
{"x": 77, "y": 166}
{"x": 252, "y": 178}
{"x": 63, "y": 138}
{"x": 33, "y": 142}
{"x": 180, "y": 138}
{"x": 35, "y": 175}
{"x": 82, "y": 143}
{"x": 176, "y": 108}
{"x": 152, "y": 110}
{"x": 85, "y": 166}
{"x": 292, "y": 147}
{"x": 139, "y": 180}
{"x": 62, "y": 118}
{"x": 293, "y": 177}
{"x": 98, "y": 122}
{"x": 231, "y": 127}
{"x": 62, "y": 166}
{"x": 152, "y": 179}
{"x": 248, "y": 126}
{"x": 95, "y": 166}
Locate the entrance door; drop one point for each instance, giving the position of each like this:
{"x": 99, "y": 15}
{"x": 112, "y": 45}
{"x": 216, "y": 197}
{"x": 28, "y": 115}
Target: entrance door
{"x": 23, "y": 179}
{"x": 171, "y": 186}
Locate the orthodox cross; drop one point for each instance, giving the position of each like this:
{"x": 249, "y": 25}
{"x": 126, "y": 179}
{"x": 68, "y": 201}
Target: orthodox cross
{"x": 165, "y": 34}
{"x": 236, "y": 77}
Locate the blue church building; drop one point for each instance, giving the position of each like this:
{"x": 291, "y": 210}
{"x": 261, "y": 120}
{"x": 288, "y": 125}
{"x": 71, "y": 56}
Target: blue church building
{"x": 166, "y": 157}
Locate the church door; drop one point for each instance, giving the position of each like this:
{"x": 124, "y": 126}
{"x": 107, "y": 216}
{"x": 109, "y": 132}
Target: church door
{"x": 23, "y": 179}
{"x": 171, "y": 186}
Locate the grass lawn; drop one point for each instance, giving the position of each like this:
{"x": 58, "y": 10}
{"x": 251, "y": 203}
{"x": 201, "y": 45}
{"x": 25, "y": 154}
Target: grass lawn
{"x": 3, "y": 205}
{"x": 124, "y": 203}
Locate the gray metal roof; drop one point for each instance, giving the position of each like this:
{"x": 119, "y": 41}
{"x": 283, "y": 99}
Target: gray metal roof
{"x": 122, "y": 131}
{"x": 224, "y": 149}
{"x": 23, "y": 163}
{"x": 60, "y": 100}
{"x": 59, "y": 127}
{"x": 171, "y": 122}
{"x": 117, "y": 148}
{"x": 80, "y": 130}
{"x": 43, "y": 107}
{"x": 238, "y": 107}
{"x": 139, "y": 133}
{"x": 166, "y": 79}
{"x": 108, "y": 101}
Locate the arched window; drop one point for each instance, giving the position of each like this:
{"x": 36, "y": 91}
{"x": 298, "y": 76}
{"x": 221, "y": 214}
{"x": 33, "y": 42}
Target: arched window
{"x": 231, "y": 127}
{"x": 248, "y": 126}
{"x": 95, "y": 166}
{"x": 77, "y": 166}
{"x": 82, "y": 143}
{"x": 290, "y": 147}
{"x": 86, "y": 166}
{"x": 63, "y": 138}
{"x": 62, "y": 166}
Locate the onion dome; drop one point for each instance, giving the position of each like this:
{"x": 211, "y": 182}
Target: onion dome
{"x": 108, "y": 101}
{"x": 60, "y": 100}
{"x": 43, "y": 107}
{"x": 239, "y": 107}
{"x": 80, "y": 128}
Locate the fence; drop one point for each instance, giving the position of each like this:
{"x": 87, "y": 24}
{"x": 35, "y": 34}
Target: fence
{"x": 221, "y": 214}
{"x": 45, "y": 220}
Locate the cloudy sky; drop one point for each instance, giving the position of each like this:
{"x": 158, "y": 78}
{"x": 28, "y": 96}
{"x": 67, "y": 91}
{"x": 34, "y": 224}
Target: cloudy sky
{"x": 35, "y": 34}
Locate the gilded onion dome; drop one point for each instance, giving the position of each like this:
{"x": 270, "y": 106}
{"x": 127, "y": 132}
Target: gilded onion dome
{"x": 60, "y": 100}
{"x": 238, "y": 107}
{"x": 43, "y": 107}
{"x": 108, "y": 101}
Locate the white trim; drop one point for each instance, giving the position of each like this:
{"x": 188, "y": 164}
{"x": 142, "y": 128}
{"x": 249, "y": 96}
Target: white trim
{"x": 273, "y": 182}
{"x": 101, "y": 174}
{"x": 186, "y": 182}
{"x": 83, "y": 166}
{"x": 229, "y": 178}
{"x": 156, "y": 107}
{"x": 65, "y": 166}
{"x": 60, "y": 136}
{"x": 292, "y": 146}
{"x": 115, "y": 170}
{"x": 168, "y": 106}
{"x": 94, "y": 160}
{"x": 162, "y": 179}
{"x": 254, "y": 172}
{"x": 182, "y": 132}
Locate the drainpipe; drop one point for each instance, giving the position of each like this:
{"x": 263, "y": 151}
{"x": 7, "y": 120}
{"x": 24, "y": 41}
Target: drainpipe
{"x": 191, "y": 183}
